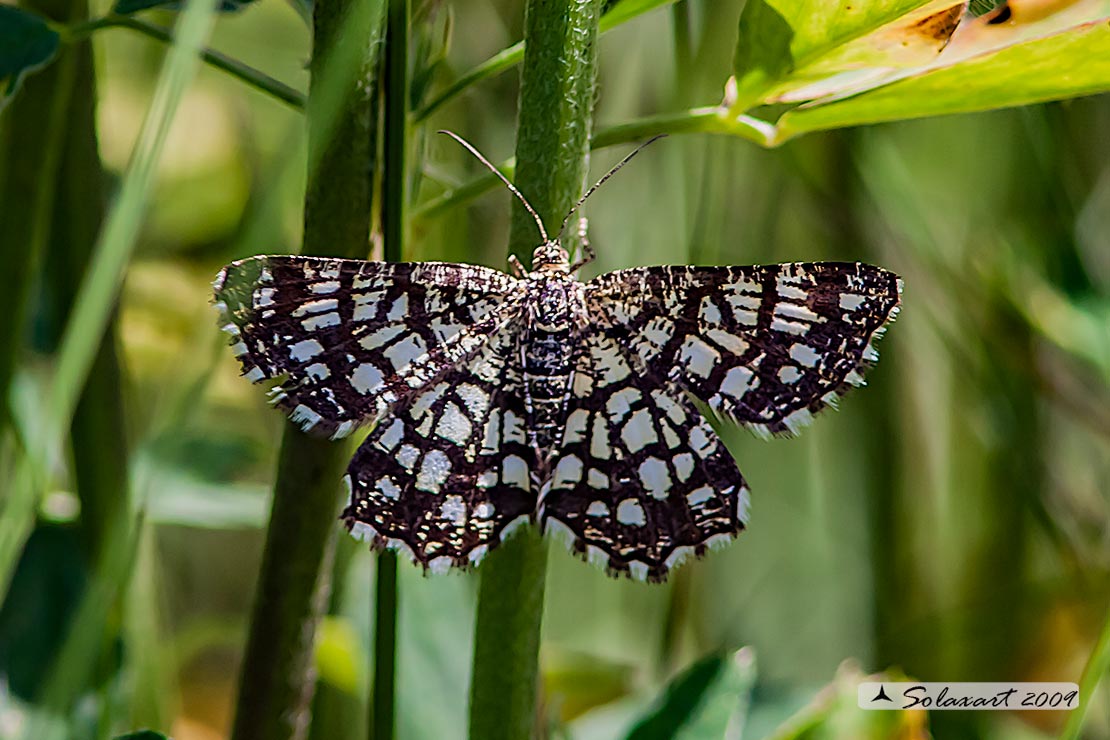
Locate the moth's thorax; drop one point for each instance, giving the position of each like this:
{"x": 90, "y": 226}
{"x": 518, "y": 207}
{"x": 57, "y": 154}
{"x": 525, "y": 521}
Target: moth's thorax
{"x": 549, "y": 258}
{"x": 556, "y": 301}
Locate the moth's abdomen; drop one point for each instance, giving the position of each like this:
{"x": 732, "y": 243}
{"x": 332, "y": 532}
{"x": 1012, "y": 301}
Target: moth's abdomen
{"x": 547, "y": 366}
{"x": 548, "y": 357}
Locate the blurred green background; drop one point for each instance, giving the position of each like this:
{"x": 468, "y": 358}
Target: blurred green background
{"x": 948, "y": 522}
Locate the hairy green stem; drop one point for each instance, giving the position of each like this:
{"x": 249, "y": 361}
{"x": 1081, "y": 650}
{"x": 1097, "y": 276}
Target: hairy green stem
{"x": 255, "y": 78}
{"x": 553, "y": 140}
{"x": 277, "y": 678}
{"x": 504, "y": 677}
{"x": 511, "y": 56}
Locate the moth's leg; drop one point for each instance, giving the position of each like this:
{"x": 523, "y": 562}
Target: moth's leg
{"x": 585, "y": 250}
{"x": 517, "y": 268}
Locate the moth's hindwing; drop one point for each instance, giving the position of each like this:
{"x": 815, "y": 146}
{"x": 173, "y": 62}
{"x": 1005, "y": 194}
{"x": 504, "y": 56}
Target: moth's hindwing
{"x": 448, "y": 476}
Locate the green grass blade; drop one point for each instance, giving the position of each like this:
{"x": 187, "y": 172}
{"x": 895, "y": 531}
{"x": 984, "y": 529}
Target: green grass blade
{"x": 98, "y": 437}
{"x": 96, "y": 299}
{"x": 1093, "y": 672}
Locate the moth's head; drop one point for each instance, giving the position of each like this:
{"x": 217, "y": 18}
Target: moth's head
{"x": 550, "y": 256}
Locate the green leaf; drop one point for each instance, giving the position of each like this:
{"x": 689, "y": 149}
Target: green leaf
{"x": 705, "y": 701}
{"x": 143, "y": 735}
{"x": 27, "y": 43}
{"x": 127, "y": 7}
{"x": 850, "y": 63}
{"x": 782, "y": 38}
{"x": 763, "y": 53}
{"x": 1072, "y": 63}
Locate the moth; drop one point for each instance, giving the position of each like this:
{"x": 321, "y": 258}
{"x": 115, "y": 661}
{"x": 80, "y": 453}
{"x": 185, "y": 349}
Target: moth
{"x": 501, "y": 399}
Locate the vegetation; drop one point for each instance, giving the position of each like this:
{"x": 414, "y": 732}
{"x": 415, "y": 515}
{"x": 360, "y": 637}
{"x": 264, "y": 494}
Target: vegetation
{"x": 169, "y": 558}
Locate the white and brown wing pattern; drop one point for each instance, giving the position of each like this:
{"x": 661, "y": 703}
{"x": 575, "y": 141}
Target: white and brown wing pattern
{"x": 349, "y": 338}
{"x": 462, "y": 367}
{"x": 765, "y": 346}
{"x": 445, "y": 477}
{"x": 642, "y": 481}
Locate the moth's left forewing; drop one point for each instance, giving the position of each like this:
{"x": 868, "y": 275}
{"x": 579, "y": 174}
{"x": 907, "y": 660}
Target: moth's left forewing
{"x": 350, "y": 339}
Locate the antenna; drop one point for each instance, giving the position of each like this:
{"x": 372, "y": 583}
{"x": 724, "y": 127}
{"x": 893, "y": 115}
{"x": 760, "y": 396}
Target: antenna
{"x": 512, "y": 188}
{"x": 601, "y": 182}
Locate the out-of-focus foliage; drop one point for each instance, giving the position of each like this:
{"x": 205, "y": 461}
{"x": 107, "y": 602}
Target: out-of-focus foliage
{"x": 710, "y": 699}
{"x": 126, "y": 7}
{"x": 948, "y": 522}
{"x": 26, "y": 43}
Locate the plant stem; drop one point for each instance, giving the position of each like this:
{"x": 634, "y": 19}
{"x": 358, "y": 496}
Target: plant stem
{"x": 395, "y": 190}
{"x": 385, "y": 648}
{"x": 277, "y": 681}
{"x": 556, "y": 105}
{"x": 395, "y": 142}
{"x": 511, "y": 56}
{"x": 553, "y": 138}
{"x": 255, "y": 78}
{"x": 507, "y": 640}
